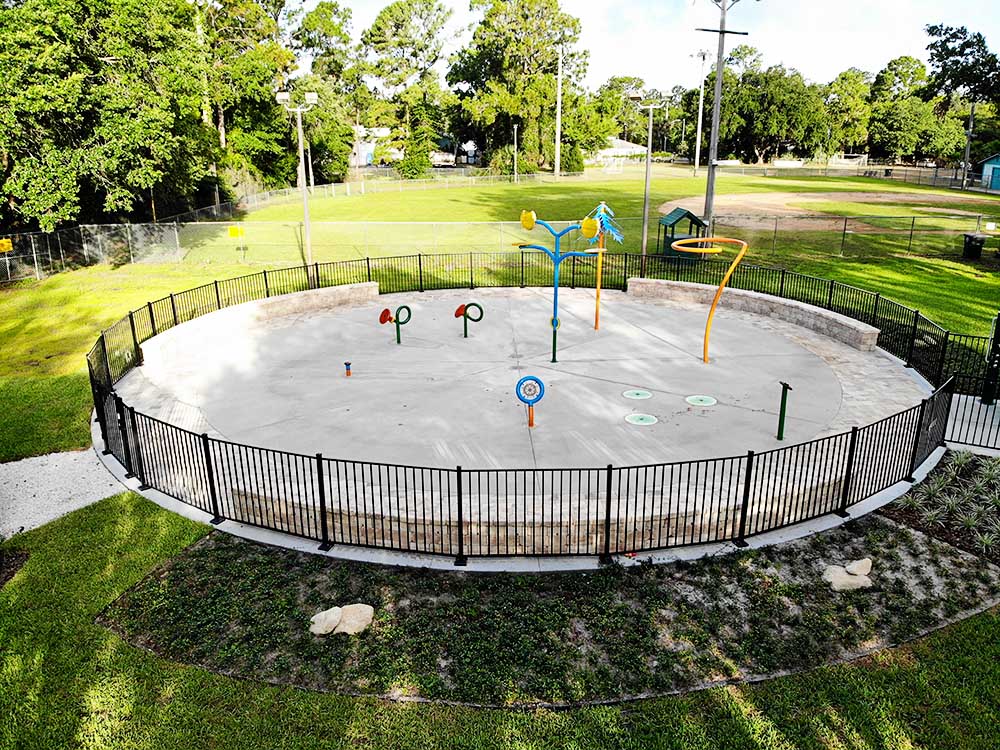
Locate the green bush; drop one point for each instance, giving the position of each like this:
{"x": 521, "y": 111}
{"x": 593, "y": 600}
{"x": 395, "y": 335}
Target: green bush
{"x": 502, "y": 161}
{"x": 572, "y": 160}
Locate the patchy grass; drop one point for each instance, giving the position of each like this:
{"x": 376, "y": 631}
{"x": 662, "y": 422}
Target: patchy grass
{"x": 66, "y": 682}
{"x": 243, "y": 609}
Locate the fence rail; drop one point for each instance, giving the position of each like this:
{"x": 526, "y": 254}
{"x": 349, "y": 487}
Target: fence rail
{"x": 462, "y": 512}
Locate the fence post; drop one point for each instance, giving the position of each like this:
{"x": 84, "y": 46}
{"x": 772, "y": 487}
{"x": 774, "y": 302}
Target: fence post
{"x": 107, "y": 358}
{"x": 740, "y": 540}
{"x": 781, "y": 285}
{"x": 460, "y": 560}
{"x": 843, "y": 238}
{"x": 137, "y": 459}
{"x": 916, "y": 441}
{"x": 152, "y": 318}
{"x": 572, "y": 274}
{"x": 123, "y": 432}
{"x": 128, "y": 241}
{"x": 913, "y": 338}
{"x": 522, "y": 269}
{"x": 829, "y": 296}
{"x": 368, "y": 263}
{"x": 324, "y": 529}
{"x": 177, "y": 240}
{"x": 605, "y": 556}
{"x": 472, "y": 273}
{"x": 941, "y": 360}
{"x": 210, "y": 473}
{"x": 218, "y": 297}
{"x": 950, "y": 390}
{"x": 878, "y": 298}
{"x": 845, "y": 490}
{"x": 173, "y": 307}
{"x": 135, "y": 340}
{"x": 420, "y": 270}
{"x": 913, "y": 223}
{"x": 267, "y": 286}
{"x": 34, "y": 256}
{"x": 316, "y": 273}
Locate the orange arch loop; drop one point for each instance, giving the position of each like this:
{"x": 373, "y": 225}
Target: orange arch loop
{"x": 693, "y": 245}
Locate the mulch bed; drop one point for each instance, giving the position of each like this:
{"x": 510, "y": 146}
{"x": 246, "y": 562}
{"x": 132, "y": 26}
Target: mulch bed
{"x": 242, "y": 609}
{"x": 11, "y": 561}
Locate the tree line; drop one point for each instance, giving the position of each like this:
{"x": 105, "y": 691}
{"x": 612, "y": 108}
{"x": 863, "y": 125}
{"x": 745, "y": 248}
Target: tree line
{"x": 127, "y": 109}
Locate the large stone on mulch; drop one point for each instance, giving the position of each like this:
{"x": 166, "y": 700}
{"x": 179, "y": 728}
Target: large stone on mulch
{"x": 860, "y": 567}
{"x": 324, "y": 622}
{"x": 840, "y": 580}
{"x": 355, "y": 618}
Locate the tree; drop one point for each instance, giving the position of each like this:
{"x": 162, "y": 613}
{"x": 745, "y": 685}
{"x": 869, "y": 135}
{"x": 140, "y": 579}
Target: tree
{"x": 507, "y": 73}
{"x": 847, "y": 102}
{"x": 901, "y": 77}
{"x": 404, "y": 42}
{"x": 612, "y": 100}
{"x": 325, "y": 33}
{"x": 962, "y": 63}
{"x": 100, "y": 104}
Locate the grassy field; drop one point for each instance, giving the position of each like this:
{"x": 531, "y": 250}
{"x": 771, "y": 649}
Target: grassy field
{"x": 67, "y": 682}
{"x": 46, "y": 327}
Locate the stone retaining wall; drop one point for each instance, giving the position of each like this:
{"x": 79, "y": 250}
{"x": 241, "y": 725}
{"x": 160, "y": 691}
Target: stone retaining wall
{"x": 854, "y": 333}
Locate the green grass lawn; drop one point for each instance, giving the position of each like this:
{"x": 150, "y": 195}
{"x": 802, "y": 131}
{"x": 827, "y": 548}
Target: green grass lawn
{"x": 46, "y": 327}
{"x": 67, "y": 682}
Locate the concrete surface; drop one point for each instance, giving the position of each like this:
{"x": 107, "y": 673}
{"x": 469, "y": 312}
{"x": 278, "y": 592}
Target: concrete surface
{"x": 37, "y": 490}
{"x": 827, "y": 323}
{"x": 277, "y": 380}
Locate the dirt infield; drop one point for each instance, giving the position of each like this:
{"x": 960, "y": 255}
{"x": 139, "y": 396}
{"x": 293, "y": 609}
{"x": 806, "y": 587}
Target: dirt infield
{"x": 780, "y": 204}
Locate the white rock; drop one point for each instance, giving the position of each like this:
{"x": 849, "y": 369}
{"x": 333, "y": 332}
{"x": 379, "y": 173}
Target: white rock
{"x": 324, "y": 622}
{"x": 355, "y": 618}
{"x": 840, "y": 580}
{"x": 860, "y": 567}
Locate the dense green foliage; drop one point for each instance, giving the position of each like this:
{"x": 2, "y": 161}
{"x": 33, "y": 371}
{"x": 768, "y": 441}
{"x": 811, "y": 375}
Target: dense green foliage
{"x": 124, "y": 110}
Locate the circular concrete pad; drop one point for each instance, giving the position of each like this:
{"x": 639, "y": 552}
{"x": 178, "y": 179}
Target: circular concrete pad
{"x": 702, "y": 400}
{"x": 637, "y": 394}
{"x": 442, "y": 400}
{"x": 641, "y": 419}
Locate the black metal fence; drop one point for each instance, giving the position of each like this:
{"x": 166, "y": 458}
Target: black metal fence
{"x": 497, "y": 512}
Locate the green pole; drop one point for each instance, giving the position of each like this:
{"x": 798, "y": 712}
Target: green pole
{"x": 397, "y": 332}
{"x": 785, "y": 388}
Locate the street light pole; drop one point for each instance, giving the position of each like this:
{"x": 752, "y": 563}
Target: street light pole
{"x": 702, "y": 54}
{"x": 713, "y": 144}
{"x": 649, "y": 159}
{"x": 515, "y": 153}
{"x": 559, "y": 74}
{"x": 311, "y": 99}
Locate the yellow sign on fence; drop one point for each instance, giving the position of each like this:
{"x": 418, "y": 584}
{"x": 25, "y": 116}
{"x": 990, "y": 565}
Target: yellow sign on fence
{"x": 6, "y": 245}
{"x": 236, "y": 231}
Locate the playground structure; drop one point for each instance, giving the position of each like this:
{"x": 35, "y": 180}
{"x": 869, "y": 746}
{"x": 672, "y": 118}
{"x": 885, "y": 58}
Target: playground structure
{"x": 623, "y": 488}
{"x": 707, "y": 246}
{"x": 386, "y": 316}
{"x": 594, "y": 227}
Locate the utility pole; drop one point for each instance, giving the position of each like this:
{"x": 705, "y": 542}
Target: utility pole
{"x": 968, "y": 147}
{"x": 309, "y": 163}
{"x": 515, "y": 153}
{"x": 702, "y": 54}
{"x": 283, "y": 98}
{"x": 713, "y": 144}
{"x": 558, "y": 112}
{"x": 649, "y": 158}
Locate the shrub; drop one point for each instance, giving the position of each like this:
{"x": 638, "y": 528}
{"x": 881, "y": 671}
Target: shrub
{"x": 572, "y": 160}
{"x": 502, "y": 162}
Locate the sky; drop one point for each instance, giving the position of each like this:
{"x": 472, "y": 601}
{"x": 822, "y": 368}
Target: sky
{"x": 656, "y": 39}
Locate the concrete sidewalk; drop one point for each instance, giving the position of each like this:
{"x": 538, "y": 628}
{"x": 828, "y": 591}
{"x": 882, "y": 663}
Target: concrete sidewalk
{"x": 37, "y": 490}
